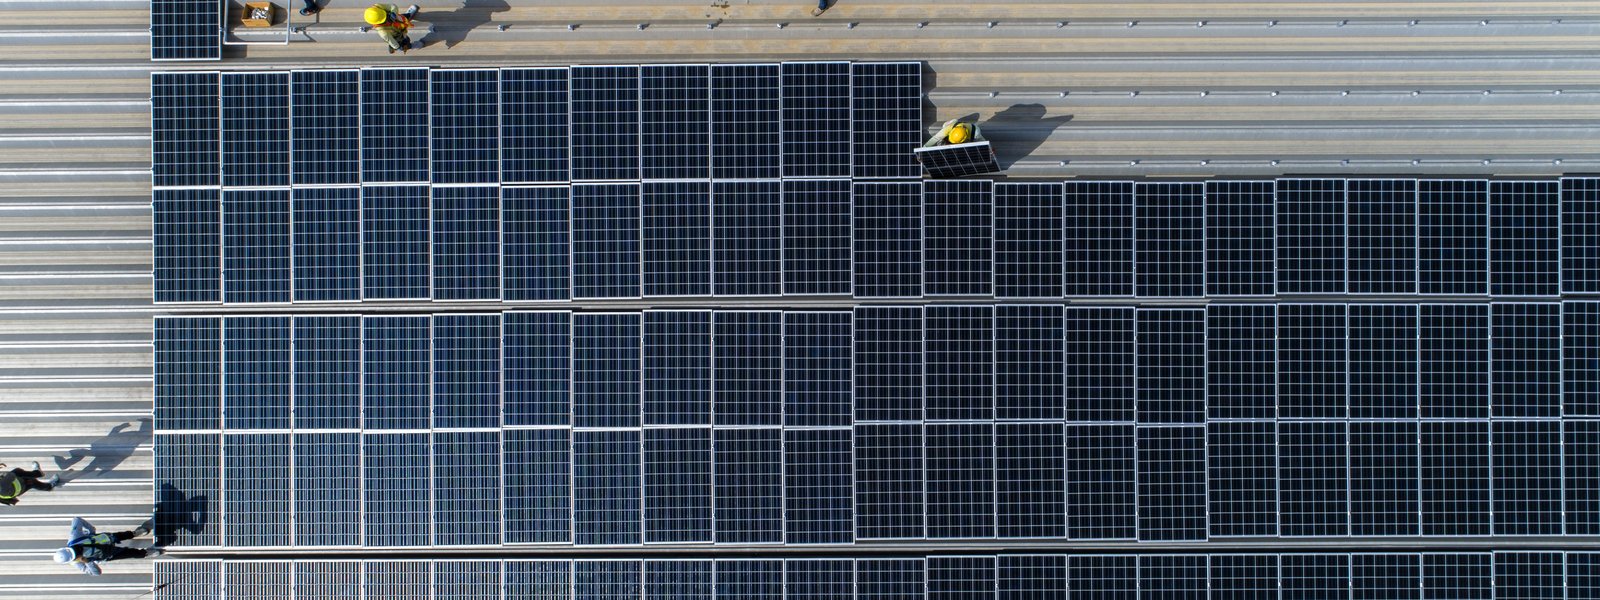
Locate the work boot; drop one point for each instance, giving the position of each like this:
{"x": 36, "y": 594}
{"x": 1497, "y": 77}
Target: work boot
{"x": 141, "y": 530}
{"x": 33, "y": 466}
{"x": 55, "y": 480}
{"x": 411, "y": 11}
{"x": 391, "y": 49}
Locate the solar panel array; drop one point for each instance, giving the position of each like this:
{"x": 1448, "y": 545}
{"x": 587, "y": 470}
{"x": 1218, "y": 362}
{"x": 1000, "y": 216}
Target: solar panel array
{"x": 836, "y": 237}
{"x": 1506, "y": 575}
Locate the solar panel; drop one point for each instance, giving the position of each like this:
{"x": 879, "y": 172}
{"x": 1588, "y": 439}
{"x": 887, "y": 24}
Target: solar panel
{"x": 536, "y": 243}
{"x": 325, "y": 127}
{"x": 677, "y": 238}
{"x": 466, "y": 370}
{"x": 1172, "y": 483}
{"x": 888, "y": 363}
{"x": 325, "y": 243}
{"x": 816, "y": 237}
{"x": 1313, "y": 470}
{"x": 394, "y": 125}
{"x": 537, "y": 368}
{"x": 467, "y": 464}
{"x": 185, "y": 123}
{"x": 1171, "y": 373}
{"x": 1455, "y": 478}
{"x": 327, "y": 372}
{"x": 327, "y": 579}
{"x": 1580, "y": 242}
{"x": 816, "y": 369}
{"x": 887, "y": 229}
{"x": 327, "y": 488}
{"x": 1311, "y": 236}
{"x": 1384, "y": 493}
{"x": 1029, "y": 356}
{"x": 816, "y": 119}
{"x": 1580, "y": 347}
{"x": 675, "y": 128}
{"x": 395, "y": 372}
{"x": 1242, "y": 478}
{"x": 255, "y": 246}
{"x": 253, "y": 493}
{"x": 677, "y": 368}
{"x": 749, "y": 579}
{"x": 1383, "y": 361}
{"x": 747, "y": 484}
{"x": 890, "y": 579}
{"x": 255, "y": 129}
{"x": 1583, "y": 574}
{"x": 1244, "y": 577}
{"x": 1453, "y": 237}
{"x": 747, "y": 368}
{"x": 534, "y": 125}
{"x": 467, "y": 579}
{"x": 957, "y": 160}
{"x": 185, "y": 30}
{"x": 1464, "y": 576}
{"x": 1382, "y": 236}
{"x": 961, "y": 486}
{"x": 747, "y": 238}
{"x": 394, "y": 243}
{"x": 1108, "y": 577}
{"x": 466, "y": 243}
{"x": 256, "y": 580}
{"x": 1101, "y": 494}
{"x": 464, "y": 105}
{"x": 819, "y": 579}
{"x": 1028, "y": 251}
{"x": 745, "y": 122}
{"x": 188, "y": 471}
{"x": 1241, "y": 361}
{"x": 538, "y": 485}
{"x": 539, "y": 579}
{"x": 605, "y": 370}
{"x": 818, "y": 477}
{"x": 398, "y": 579}
{"x": 1581, "y": 459}
{"x": 1174, "y": 577}
{"x": 677, "y": 485}
{"x": 1099, "y": 240}
{"x": 1240, "y": 253}
{"x": 1030, "y": 480}
{"x": 889, "y": 484}
{"x": 188, "y": 373}
{"x": 606, "y": 223}
{"x": 673, "y": 579}
{"x": 1314, "y": 576}
{"x": 1529, "y": 576}
{"x": 885, "y": 119}
{"x": 960, "y": 362}
{"x": 1526, "y": 477}
{"x": 605, "y": 123}
{"x": 1027, "y": 577}
{"x": 958, "y": 239}
{"x": 1313, "y": 351}
{"x": 187, "y": 245}
{"x": 1386, "y": 577}
{"x": 606, "y": 490}
{"x": 1454, "y": 361}
{"x": 255, "y": 372}
{"x": 961, "y": 577}
{"x": 396, "y": 490}
{"x": 1525, "y": 238}
{"x": 1100, "y": 364}
{"x": 1169, "y": 226}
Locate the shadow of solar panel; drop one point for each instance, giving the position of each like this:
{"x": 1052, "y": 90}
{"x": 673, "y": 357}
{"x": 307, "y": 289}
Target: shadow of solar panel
{"x": 1172, "y": 483}
{"x": 816, "y": 237}
{"x": 1313, "y": 483}
{"x": 394, "y": 125}
{"x": 606, "y": 241}
{"x": 466, "y": 371}
{"x": 816, "y": 119}
{"x": 185, "y": 30}
{"x": 1453, "y": 237}
{"x": 1099, "y": 240}
{"x": 395, "y": 372}
{"x": 677, "y": 368}
{"x": 1455, "y": 478}
{"x": 1028, "y": 251}
{"x": 957, "y": 160}
{"x": 256, "y": 260}
{"x": 747, "y": 368}
{"x": 960, "y": 474}
{"x": 747, "y": 238}
{"x": 749, "y": 580}
{"x": 327, "y": 372}
{"x": 466, "y": 243}
{"x": 818, "y": 478}
{"x": 396, "y": 491}
{"x": 677, "y": 579}
{"x": 606, "y": 497}
{"x": 533, "y": 125}
{"x": 606, "y": 357}
{"x": 675, "y": 121}
{"x": 745, "y": 122}
{"x": 395, "y": 243}
{"x": 255, "y": 129}
{"x": 255, "y": 372}
{"x": 889, "y": 487}
{"x": 958, "y": 256}
{"x": 465, "y": 131}
{"x": 537, "y": 368}
{"x": 253, "y": 493}
{"x": 677, "y": 238}
{"x": 188, "y": 473}
{"x": 325, "y": 127}
{"x": 538, "y": 486}
{"x": 887, "y": 230}
{"x": 1169, "y": 226}
{"x": 1311, "y": 236}
{"x": 1525, "y": 238}
{"x": 327, "y": 489}
{"x": 188, "y": 373}
{"x": 467, "y": 464}
{"x": 325, "y": 242}
{"x": 1239, "y": 238}
{"x": 885, "y": 119}
{"x": 536, "y": 243}
{"x": 677, "y": 485}
{"x": 1382, "y": 236}
{"x": 1030, "y": 480}
{"x": 605, "y": 123}
{"x": 187, "y": 236}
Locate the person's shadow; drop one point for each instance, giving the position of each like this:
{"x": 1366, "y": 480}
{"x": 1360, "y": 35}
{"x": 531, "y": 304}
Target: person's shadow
{"x": 452, "y": 27}
{"x": 105, "y": 453}
{"x": 1019, "y": 130}
{"x": 177, "y": 512}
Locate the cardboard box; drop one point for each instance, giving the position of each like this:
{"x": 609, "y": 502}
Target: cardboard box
{"x": 260, "y": 14}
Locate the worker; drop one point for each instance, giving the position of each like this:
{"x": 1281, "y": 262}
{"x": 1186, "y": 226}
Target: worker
{"x": 392, "y": 25}
{"x": 16, "y": 481}
{"x": 86, "y": 549}
{"x": 955, "y": 132}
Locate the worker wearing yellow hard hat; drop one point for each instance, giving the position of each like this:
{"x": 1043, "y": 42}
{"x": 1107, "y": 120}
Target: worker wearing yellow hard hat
{"x": 955, "y": 131}
{"x": 392, "y": 24}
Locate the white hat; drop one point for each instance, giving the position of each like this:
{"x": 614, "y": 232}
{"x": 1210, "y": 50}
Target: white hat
{"x": 65, "y": 555}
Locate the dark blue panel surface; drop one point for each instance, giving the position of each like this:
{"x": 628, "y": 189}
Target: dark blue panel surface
{"x": 890, "y": 579}
{"x": 1524, "y": 238}
{"x": 255, "y": 246}
{"x": 677, "y": 368}
{"x": 606, "y": 370}
{"x": 958, "y": 233}
{"x": 1030, "y": 577}
{"x": 1171, "y": 374}
{"x": 886, "y": 119}
{"x": 606, "y": 487}
{"x": 1580, "y": 235}
{"x": 677, "y": 238}
{"x": 960, "y": 362}
{"x": 1242, "y": 478}
{"x": 187, "y": 230}
{"x": 606, "y": 579}
{"x": 326, "y": 243}
{"x": 1383, "y": 361}
{"x": 677, "y": 485}
{"x": 536, "y": 243}
{"x": 960, "y": 474}
{"x": 1029, "y": 360}
{"x": 395, "y": 372}
{"x": 816, "y": 369}
{"x": 747, "y": 364}
{"x": 252, "y": 489}
{"x": 1455, "y": 478}
{"x": 749, "y": 580}
{"x": 888, "y": 363}
{"x": 887, "y": 239}
{"x": 465, "y": 113}
{"x": 747, "y": 486}
{"x": 397, "y": 490}
{"x": 1239, "y": 238}
{"x": 466, "y": 371}
{"x": 605, "y": 123}
{"x": 1313, "y": 351}
{"x": 188, "y": 482}
{"x": 1100, "y": 482}
{"x": 606, "y": 222}
{"x": 889, "y": 484}
{"x": 538, "y": 485}
{"x": 1315, "y": 576}
{"x": 325, "y": 127}
{"x": 1384, "y": 493}
{"x": 1173, "y": 577}
{"x": 1100, "y": 364}
{"x": 1172, "y": 483}
{"x": 327, "y": 489}
{"x": 185, "y": 121}
{"x": 1107, "y": 577}
{"x": 1313, "y": 472}
{"x": 819, "y": 579}
{"x": 1454, "y": 361}
{"x": 1170, "y": 234}
{"x": 394, "y": 242}
{"x": 1098, "y": 238}
{"x": 394, "y": 125}
{"x": 1028, "y": 251}
{"x": 327, "y": 372}
{"x": 1383, "y": 236}
{"x": 747, "y": 238}
{"x": 1529, "y": 576}
{"x": 1526, "y": 477}
{"x": 677, "y": 579}
{"x": 1311, "y": 236}
{"x": 961, "y": 577}
{"x": 185, "y": 30}
{"x": 816, "y": 119}
{"x": 675, "y": 117}
{"x": 1453, "y": 237}
{"x": 817, "y": 480}
{"x": 538, "y": 368}
{"x": 1580, "y": 349}
{"x": 255, "y": 372}
{"x": 1245, "y": 576}
{"x": 1030, "y": 480}
{"x": 1241, "y": 361}
{"x": 467, "y": 464}
{"x": 466, "y": 243}
{"x": 1385, "y": 577}
{"x": 1581, "y": 447}
{"x": 533, "y": 125}
{"x": 255, "y": 129}
{"x": 816, "y": 237}
{"x": 188, "y": 373}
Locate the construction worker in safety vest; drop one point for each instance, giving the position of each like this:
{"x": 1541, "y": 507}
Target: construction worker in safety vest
{"x": 16, "y": 481}
{"x": 86, "y": 549}
{"x": 392, "y": 24}
{"x": 955, "y": 132}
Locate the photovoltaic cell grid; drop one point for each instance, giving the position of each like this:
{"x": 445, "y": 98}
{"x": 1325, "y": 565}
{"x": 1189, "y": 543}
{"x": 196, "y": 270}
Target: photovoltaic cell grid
{"x": 747, "y": 238}
{"x": 187, "y": 230}
{"x": 325, "y": 244}
{"x": 1239, "y": 238}
{"x": 958, "y": 238}
{"x": 325, "y": 127}
{"x": 394, "y": 125}
{"x": 533, "y": 125}
{"x": 1311, "y": 226}
{"x": 466, "y": 243}
{"x": 255, "y": 129}
{"x": 255, "y": 246}
{"x": 957, "y": 160}
{"x": 605, "y": 123}
{"x": 745, "y": 122}
{"x": 1169, "y": 226}
{"x": 886, "y": 119}
{"x": 816, "y": 237}
{"x": 677, "y": 238}
{"x": 1028, "y": 248}
{"x": 675, "y": 127}
{"x": 185, "y": 30}
{"x": 816, "y": 119}
{"x": 185, "y": 123}
{"x": 465, "y": 110}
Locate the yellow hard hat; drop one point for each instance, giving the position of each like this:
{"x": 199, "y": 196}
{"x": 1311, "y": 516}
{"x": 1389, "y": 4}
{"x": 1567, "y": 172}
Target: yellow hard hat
{"x": 376, "y": 15}
{"x": 960, "y": 133}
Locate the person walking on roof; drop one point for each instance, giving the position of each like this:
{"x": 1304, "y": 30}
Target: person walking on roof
{"x": 392, "y": 25}
{"x": 955, "y": 132}
{"x": 822, "y": 7}
{"x": 86, "y": 549}
{"x": 16, "y": 481}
